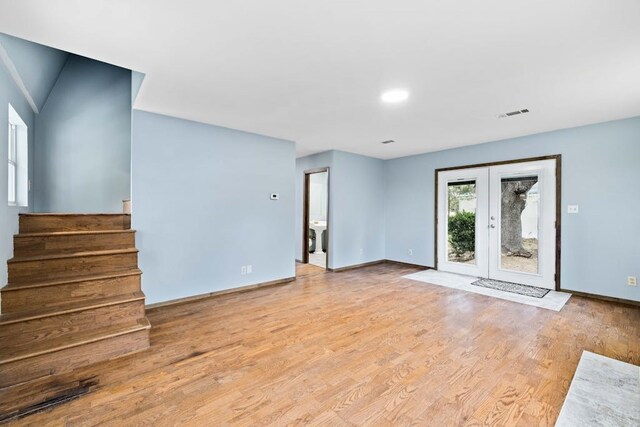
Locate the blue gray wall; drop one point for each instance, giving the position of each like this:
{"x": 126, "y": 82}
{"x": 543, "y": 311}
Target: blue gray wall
{"x": 600, "y": 173}
{"x": 137, "y": 79}
{"x": 83, "y": 140}
{"x": 358, "y": 197}
{"x": 37, "y": 65}
{"x": 9, "y": 93}
{"x": 201, "y": 206}
{"x": 356, "y": 206}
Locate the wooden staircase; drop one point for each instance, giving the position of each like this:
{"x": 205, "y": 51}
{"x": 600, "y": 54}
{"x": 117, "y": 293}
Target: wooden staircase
{"x": 73, "y": 298}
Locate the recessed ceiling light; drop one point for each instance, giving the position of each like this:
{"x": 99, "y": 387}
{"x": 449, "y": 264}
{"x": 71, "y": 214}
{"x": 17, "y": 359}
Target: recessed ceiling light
{"x": 394, "y": 96}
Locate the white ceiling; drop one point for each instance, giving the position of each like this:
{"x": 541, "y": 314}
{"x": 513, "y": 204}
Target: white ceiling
{"x": 313, "y": 71}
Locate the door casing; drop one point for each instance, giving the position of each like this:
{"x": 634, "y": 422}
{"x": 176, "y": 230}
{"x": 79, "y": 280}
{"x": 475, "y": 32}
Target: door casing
{"x": 305, "y": 212}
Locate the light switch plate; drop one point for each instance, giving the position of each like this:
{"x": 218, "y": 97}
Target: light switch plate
{"x": 572, "y": 209}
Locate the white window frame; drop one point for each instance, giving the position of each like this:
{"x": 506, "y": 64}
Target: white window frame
{"x": 17, "y": 160}
{"x": 12, "y": 194}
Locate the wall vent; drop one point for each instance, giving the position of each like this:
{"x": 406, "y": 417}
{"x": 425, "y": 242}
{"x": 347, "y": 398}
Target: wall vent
{"x": 513, "y": 113}
{"x": 388, "y": 141}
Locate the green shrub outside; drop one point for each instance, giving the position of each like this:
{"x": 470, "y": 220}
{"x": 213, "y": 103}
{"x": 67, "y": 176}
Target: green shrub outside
{"x": 462, "y": 232}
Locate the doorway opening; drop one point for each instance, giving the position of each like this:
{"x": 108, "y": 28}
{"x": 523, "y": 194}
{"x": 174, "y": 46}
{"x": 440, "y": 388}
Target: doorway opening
{"x": 315, "y": 221}
{"x": 501, "y": 221}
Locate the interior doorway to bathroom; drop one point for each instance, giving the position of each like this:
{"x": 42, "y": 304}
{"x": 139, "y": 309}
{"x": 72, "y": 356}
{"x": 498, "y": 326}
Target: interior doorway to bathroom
{"x": 315, "y": 221}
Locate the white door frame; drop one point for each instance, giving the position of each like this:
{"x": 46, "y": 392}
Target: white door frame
{"x": 553, "y": 235}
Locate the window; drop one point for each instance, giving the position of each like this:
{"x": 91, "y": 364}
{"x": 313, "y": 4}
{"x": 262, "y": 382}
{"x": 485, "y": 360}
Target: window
{"x": 18, "y": 176}
{"x": 12, "y": 163}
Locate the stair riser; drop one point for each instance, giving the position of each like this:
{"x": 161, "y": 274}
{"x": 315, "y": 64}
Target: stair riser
{"x": 31, "y": 332}
{"x": 51, "y": 296}
{"x": 50, "y": 269}
{"x": 53, "y": 223}
{"x": 66, "y": 360}
{"x": 25, "y": 246}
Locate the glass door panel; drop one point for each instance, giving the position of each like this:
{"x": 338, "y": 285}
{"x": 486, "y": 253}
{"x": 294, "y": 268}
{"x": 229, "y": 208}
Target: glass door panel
{"x": 461, "y": 221}
{"x": 519, "y": 223}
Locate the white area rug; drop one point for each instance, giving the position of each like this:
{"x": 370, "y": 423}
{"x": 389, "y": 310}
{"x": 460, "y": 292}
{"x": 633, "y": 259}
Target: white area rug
{"x": 552, "y": 301}
{"x": 604, "y": 392}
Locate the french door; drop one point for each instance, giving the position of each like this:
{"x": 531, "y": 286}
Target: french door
{"x": 498, "y": 222}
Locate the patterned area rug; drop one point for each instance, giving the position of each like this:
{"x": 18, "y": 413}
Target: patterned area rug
{"x": 514, "y": 288}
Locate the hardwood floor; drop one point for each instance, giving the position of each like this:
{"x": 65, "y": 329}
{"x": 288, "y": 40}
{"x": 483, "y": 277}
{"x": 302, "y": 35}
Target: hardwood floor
{"x": 305, "y": 270}
{"x": 361, "y": 347}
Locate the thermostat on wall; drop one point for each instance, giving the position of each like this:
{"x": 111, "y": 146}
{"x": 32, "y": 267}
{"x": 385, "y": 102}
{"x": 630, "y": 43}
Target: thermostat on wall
{"x": 274, "y": 196}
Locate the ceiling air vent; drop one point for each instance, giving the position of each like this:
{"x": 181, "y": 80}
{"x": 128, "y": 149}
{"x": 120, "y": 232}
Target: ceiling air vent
{"x": 513, "y": 113}
{"x": 388, "y": 141}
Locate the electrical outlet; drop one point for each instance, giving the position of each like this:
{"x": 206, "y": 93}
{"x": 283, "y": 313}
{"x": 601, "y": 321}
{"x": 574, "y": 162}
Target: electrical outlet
{"x": 361, "y": 251}
{"x": 631, "y": 281}
{"x": 573, "y": 209}
{"x": 243, "y": 270}
{"x": 410, "y": 251}
{"x": 249, "y": 269}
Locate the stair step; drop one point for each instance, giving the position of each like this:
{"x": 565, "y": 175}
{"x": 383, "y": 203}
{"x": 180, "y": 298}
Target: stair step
{"x": 33, "y": 223}
{"x": 72, "y": 307}
{"x": 21, "y": 336}
{"x": 82, "y": 254}
{"x": 56, "y": 293}
{"x": 9, "y": 354}
{"x": 34, "y": 244}
{"x": 65, "y": 354}
{"x": 19, "y": 332}
{"x": 69, "y": 280}
{"x": 51, "y": 267}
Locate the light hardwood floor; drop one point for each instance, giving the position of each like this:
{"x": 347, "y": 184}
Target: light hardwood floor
{"x": 361, "y": 347}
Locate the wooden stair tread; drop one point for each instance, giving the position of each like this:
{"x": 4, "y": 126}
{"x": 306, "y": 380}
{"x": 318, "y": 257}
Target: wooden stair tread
{"x": 70, "y": 233}
{"x": 38, "y": 223}
{"x": 72, "y": 214}
{"x": 72, "y": 307}
{"x": 77, "y": 279}
{"x": 8, "y": 354}
{"x": 73, "y": 255}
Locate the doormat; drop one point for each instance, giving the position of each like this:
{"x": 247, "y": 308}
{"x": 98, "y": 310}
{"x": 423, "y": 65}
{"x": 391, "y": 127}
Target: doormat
{"x": 514, "y": 288}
